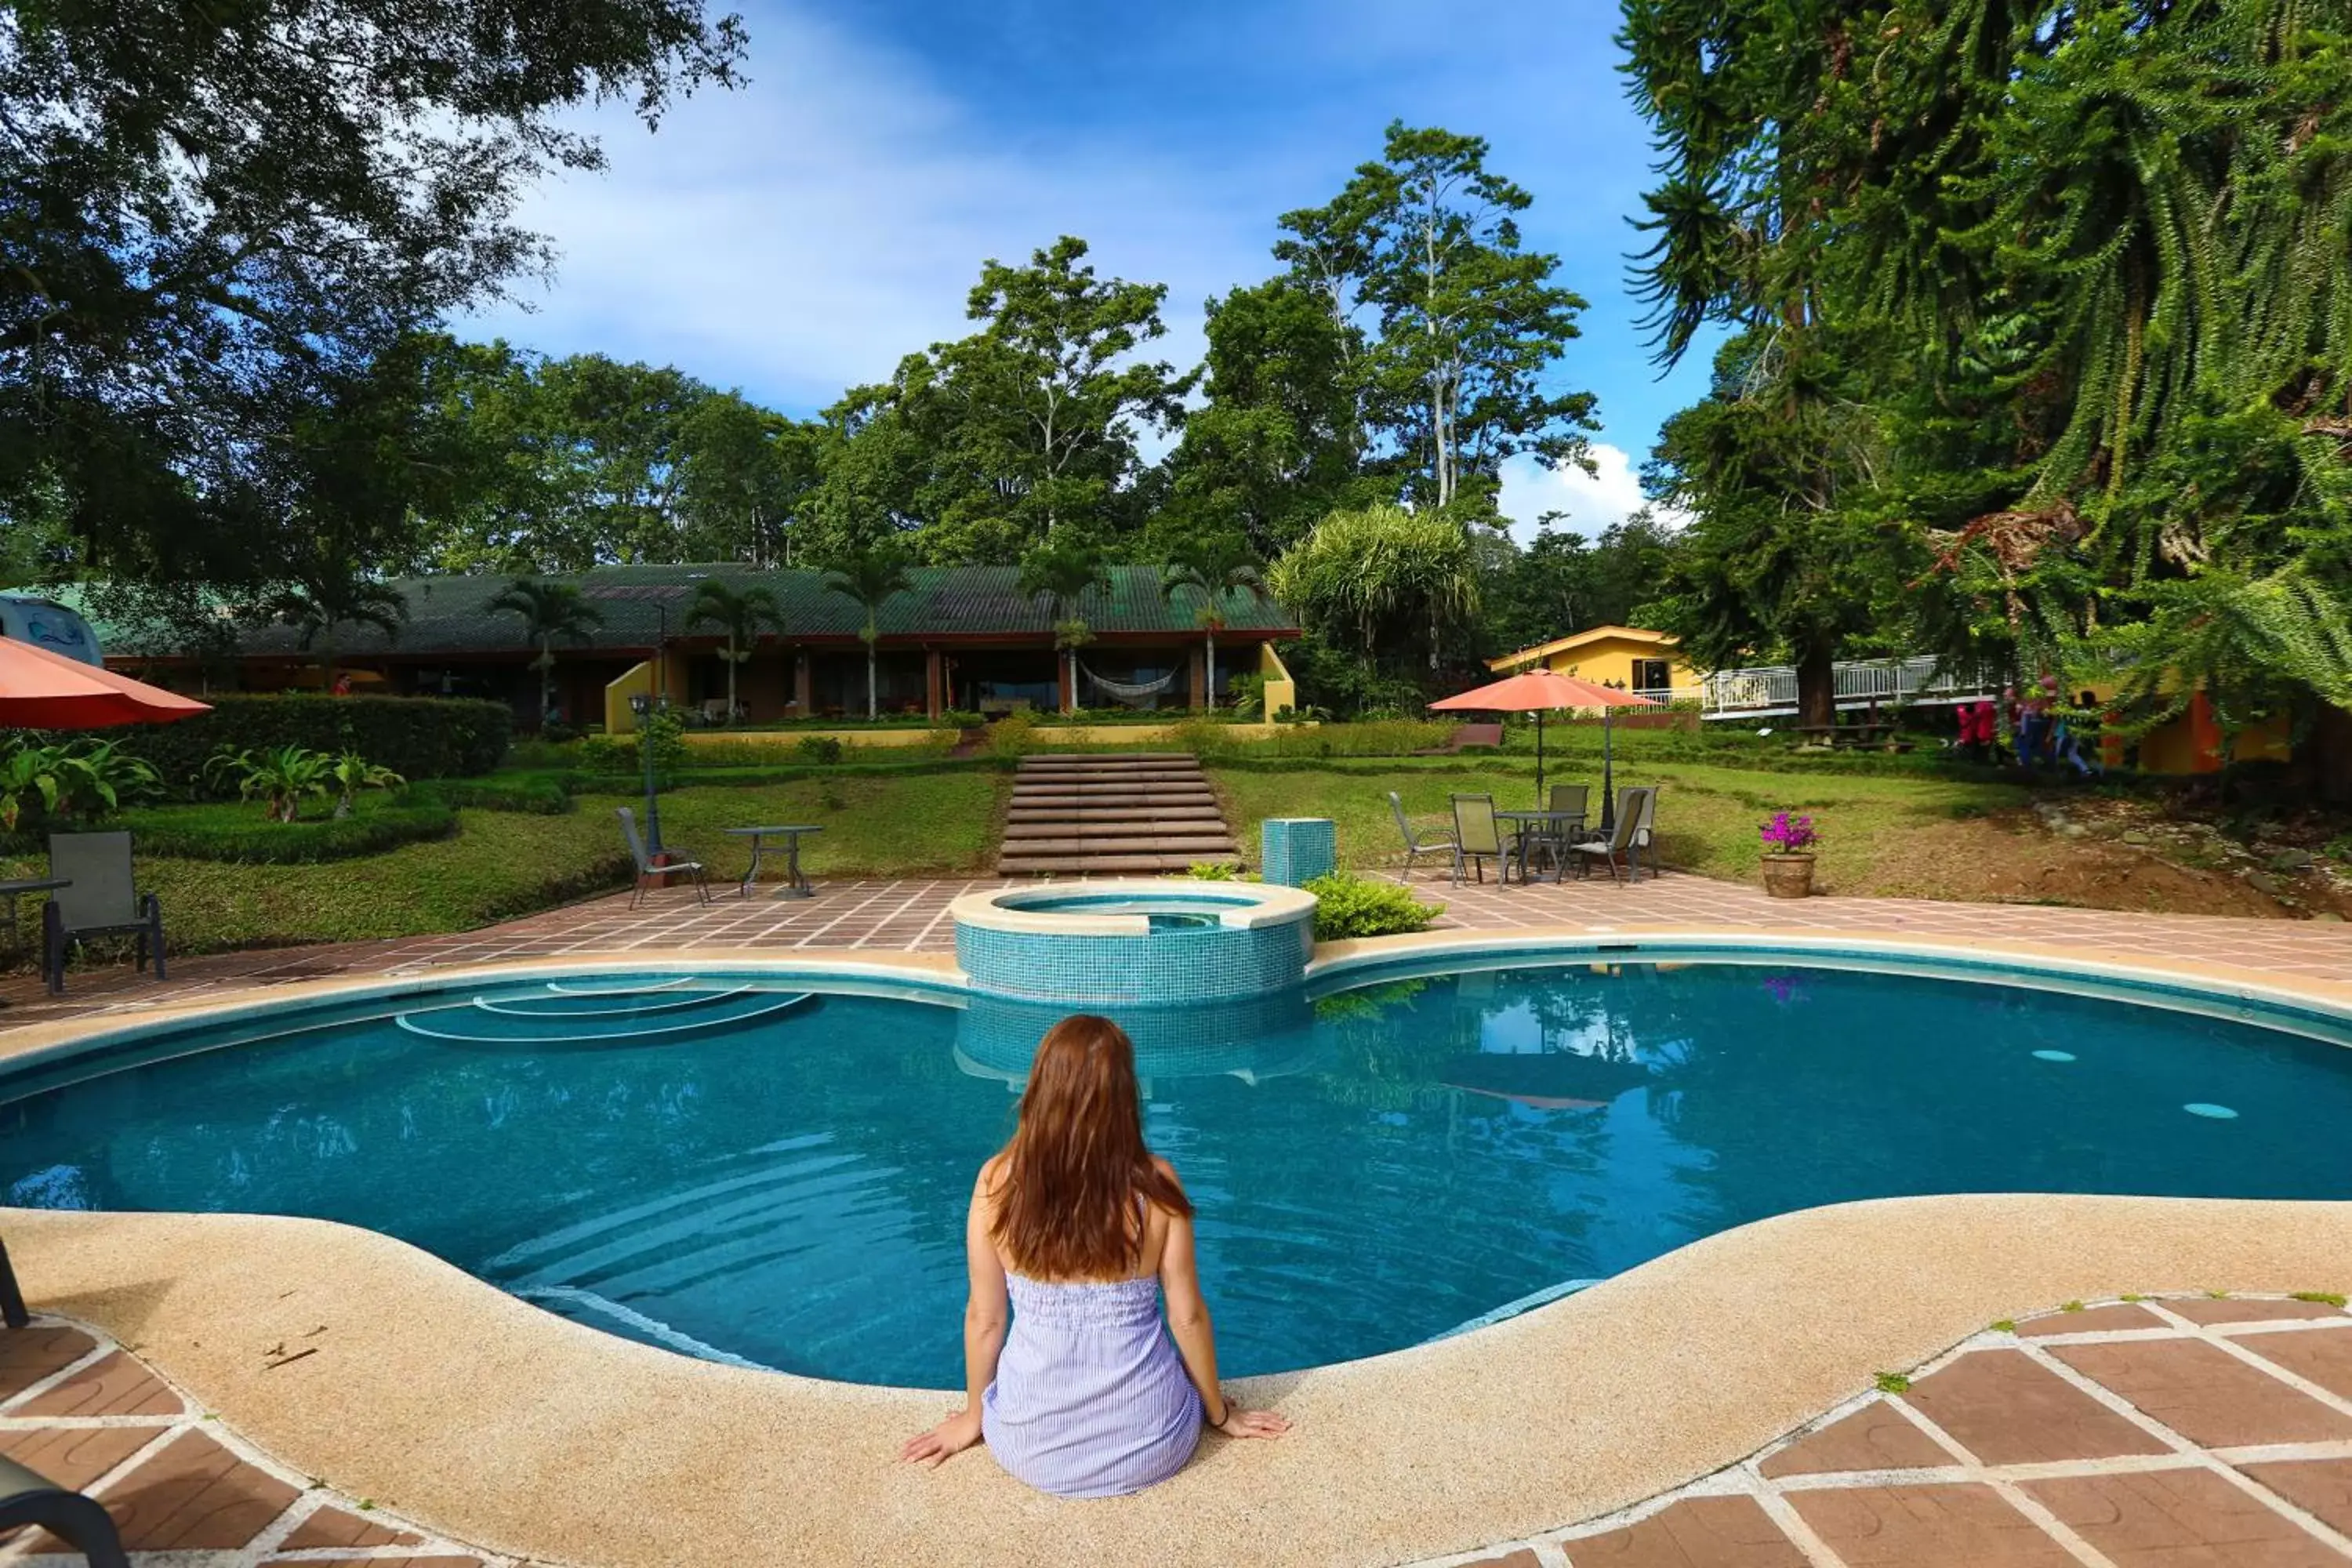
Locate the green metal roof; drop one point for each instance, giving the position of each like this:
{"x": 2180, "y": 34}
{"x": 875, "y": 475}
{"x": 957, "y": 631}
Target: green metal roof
{"x": 451, "y": 614}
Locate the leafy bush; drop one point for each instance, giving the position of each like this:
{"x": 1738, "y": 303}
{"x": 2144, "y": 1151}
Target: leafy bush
{"x": 230, "y": 832}
{"x": 351, "y": 773}
{"x": 1211, "y": 871}
{"x": 58, "y": 785}
{"x": 819, "y": 749}
{"x": 607, "y": 754}
{"x": 278, "y": 777}
{"x": 957, "y": 719}
{"x": 417, "y": 737}
{"x": 662, "y": 734}
{"x": 1013, "y": 735}
{"x": 1347, "y": 906}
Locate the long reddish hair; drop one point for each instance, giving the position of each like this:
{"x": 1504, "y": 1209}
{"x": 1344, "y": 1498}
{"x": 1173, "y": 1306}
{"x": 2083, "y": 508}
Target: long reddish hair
{"x": 1066, "y": 1196}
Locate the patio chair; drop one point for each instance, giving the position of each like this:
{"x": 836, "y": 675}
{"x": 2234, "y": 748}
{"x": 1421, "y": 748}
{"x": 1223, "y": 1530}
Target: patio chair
{"x": 103, "y": 901}
{"x": 1417, "y": 840}
{"x": 1479, "y": 837}
{"x": 1640, "y": 847}
{"x": 12, "y": 1299}
{"x": 1613, "y": 851}
{"x": 651, "y": 875}
{"x": 28, "y": 1498}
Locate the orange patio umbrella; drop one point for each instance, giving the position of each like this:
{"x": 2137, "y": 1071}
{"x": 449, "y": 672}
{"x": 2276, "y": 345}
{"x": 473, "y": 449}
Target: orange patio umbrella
{"x": 41, "y": 690}
{"x": 1540, "y": 691}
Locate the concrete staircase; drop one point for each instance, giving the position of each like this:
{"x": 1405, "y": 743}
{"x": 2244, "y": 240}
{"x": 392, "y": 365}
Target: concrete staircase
{"x": 1113, "y": 815}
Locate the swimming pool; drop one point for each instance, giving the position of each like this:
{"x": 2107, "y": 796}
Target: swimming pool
{"x": 770, "y": 1170}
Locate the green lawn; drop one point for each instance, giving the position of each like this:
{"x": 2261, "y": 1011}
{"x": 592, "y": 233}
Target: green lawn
{"x": 503, "y": 864}
{"x": 1706, "y": 821}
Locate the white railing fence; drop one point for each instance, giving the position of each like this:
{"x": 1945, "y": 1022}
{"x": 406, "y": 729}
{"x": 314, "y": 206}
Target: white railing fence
{"x": 1772, "y": 689}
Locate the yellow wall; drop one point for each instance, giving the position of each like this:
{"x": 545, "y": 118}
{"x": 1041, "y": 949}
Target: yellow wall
{"x": 1281, "y": 691}
{"x": 1609, "y": 662}
{"x": 619, "y": 719}
{"x": 877, "y": 736}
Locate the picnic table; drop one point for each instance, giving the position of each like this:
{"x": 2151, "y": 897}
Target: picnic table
{"x": 795, "y": 886}
{"x": 1557, "y": 828}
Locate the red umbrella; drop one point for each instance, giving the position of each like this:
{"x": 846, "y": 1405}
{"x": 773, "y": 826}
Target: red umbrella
{"x": 40, "y": 690}
{"x": 1538, "y": 692}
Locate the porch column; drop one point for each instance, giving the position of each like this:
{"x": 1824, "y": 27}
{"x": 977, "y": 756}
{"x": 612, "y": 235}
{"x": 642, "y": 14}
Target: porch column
{"x": 1201, "y": 696}
{"x": 934, "y": 682}
{"x": 1065, "y": 676}
{"x": 801, "y": 709}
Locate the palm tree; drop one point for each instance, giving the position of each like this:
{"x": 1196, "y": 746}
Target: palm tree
{"x": 1217, "y": 566}
{"x": 1063, "y": 572}
{"x": 739, "y": 615}
{"x": 549, "y": 611}
{"x": 321, "y": 605}
{"x": 871, "y": 577}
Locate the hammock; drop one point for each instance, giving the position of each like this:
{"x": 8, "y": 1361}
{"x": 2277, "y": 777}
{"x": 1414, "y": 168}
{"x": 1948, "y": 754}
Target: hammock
{"x": 1129, "y": 692}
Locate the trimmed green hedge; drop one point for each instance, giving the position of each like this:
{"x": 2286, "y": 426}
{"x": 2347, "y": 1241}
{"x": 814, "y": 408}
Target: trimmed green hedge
{"x": 542, "y": 795}
{"x": 415, "y": 737}
{"x": 239, "y": 833}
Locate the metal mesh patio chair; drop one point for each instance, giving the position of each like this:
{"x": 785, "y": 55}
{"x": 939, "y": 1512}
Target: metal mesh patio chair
{"x": 28, "y": 1498}
{"x": 1612, "y": 851}
{"x": 1479, "y": 837}
{"x": 1639, "y": 849}
{"x": 650, "y": 875}
{"x": 103, "y": 901}
{"x": 1417, "y": 840}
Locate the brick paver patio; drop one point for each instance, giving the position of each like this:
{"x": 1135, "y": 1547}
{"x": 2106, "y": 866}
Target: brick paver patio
{"x": 910, "y": 915}
{"x": 2172, "y": 1432}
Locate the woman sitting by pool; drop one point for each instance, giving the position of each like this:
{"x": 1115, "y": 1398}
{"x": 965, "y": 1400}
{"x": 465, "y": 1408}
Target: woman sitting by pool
{"x": 1085, "y": 1227}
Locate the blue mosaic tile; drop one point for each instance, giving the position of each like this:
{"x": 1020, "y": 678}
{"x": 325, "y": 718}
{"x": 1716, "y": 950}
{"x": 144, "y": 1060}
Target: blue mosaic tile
{"x": 1196, "y": 963}
{"x": 1295, "y": 850}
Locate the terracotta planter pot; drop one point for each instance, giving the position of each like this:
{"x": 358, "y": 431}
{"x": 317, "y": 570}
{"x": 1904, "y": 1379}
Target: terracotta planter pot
{"x": 1789, "y": 875}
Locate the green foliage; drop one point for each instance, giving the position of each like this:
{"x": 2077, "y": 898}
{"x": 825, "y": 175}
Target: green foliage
{"x": 870, "y": 577}
{"x": 661, "y": 735}
{"x": 739, "y": 615}
{"x": 1347, "y": 906}
{"x": 548, "y": 611}
{"x": 350, "y": 772}
{"x": 538, "y": 794}
{"x": 1013, "y": 735}
{"x": 1211, "y": 871}
{"x": 1387, "y": 580}
{"x": 1560, "y": 584}
{"x": 277, "y": 776}
{"x": 819, "y": 749}
{"x": 420, "y": 737}
{"x": 229, "y": 832}
{"x": 1893, "y": 1382}
{"x": 69, "y": 783}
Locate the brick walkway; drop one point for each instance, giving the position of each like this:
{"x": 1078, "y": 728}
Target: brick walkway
{"x": 2177, "y": 1433}
{"x": 910, "y": 915}
{"x": 184, "y": 1491}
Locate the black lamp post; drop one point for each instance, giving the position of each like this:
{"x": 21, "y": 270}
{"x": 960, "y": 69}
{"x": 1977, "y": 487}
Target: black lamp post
{"x": 655, "y": 701}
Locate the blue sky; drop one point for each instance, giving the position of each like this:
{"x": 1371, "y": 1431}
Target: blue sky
{"x": 801, "y": 234}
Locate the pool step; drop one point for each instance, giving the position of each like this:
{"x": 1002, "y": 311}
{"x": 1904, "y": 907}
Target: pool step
{"x": 1079, "y": 815}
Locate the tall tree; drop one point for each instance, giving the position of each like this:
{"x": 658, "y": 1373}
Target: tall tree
{"x": 1464, "y": 324}
{"x": 209, "y": 209}
{"x": 740, "y": 614}
{"x": 871, "y": 578}
{"x": 745, "y": 473}
{"x": 548, "y": 611}
{"x": 1387, "y": 581}
{"x": 1217, "y": 569}
{"x": 1064, "y": 574}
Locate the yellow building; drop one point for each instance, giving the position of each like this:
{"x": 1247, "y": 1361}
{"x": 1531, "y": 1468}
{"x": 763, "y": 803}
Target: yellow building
{"x": 1645, "y": 661}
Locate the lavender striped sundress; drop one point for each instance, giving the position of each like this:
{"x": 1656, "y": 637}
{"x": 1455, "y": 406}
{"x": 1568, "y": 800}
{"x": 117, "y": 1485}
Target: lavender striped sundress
{"x": 1091, "y": 1398}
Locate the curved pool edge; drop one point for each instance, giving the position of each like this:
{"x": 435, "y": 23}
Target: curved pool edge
{"x": 585, "y": 1448}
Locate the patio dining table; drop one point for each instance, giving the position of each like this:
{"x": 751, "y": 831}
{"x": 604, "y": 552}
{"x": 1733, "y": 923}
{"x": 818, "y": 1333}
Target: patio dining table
{"x": 796, "y": 886}
{"x": 1557, "y": 828}
{"x": 13, "y": 891}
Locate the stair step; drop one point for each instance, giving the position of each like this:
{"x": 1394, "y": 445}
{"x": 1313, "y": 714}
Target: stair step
{"x": 1023, "y": 816}
{"x": 1103, "y": 865}
{"x": 1105, "y": 759}
{"x": 1079, "y": 800}
{"x": 1202, "y": 847}
{"x": 1204, "y": 837}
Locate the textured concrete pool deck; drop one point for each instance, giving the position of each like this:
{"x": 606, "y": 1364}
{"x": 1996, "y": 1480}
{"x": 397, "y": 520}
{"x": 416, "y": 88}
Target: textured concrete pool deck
{"x": 491, "y": 1422}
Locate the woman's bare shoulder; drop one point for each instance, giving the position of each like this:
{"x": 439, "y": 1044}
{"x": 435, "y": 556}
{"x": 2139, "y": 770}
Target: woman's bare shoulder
{"x": 991, "y": 1177}
{"x": 1168, "y": 1171}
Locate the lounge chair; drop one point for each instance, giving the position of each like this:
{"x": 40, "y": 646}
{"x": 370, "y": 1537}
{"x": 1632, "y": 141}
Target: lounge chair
{"x": 1479, "y": 837}
{"x": 651, "y": 875}
{"x": 1613, "y": 851}
{"x": 1417, "y": 840}
{"x": 1640, "y": 847}
{"x": 30, "y": 1499}
{"x": 103, "y": 901}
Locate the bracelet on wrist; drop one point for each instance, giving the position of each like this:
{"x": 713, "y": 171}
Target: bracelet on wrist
{"x": 1220, "y": 1420}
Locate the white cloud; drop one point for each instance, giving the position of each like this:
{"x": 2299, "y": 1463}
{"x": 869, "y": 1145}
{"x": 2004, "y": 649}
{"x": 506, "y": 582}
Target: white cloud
{"x": 802, "y": 234}
{"x": 1591, "y": 503}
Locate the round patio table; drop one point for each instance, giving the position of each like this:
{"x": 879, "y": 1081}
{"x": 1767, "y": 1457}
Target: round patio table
{"x": 12, "y": 892}
{"x": 1557, "y": 828}
{"x": 795, "y": 885}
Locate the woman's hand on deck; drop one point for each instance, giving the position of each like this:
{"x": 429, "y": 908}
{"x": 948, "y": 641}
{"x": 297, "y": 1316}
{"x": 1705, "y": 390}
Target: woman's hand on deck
{"x": 1240, "y": 1423}
{"x": 942, "y": 1442}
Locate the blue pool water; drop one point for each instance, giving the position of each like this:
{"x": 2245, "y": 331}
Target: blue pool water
{"x": 739, "y": 1168}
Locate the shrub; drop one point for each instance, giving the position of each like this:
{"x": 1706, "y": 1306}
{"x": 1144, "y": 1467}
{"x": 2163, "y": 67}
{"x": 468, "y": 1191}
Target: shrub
{"x": 58, "y": 785}
{"x": 662, "y": 735}
{"x": 417, "y": 737}
{"x": 607, "y": 754}
{"x": 819, "y": 749}
{"x": 278, "y": 777}
{"x": 957, "y": 719}
{"x": 231, "y": 832}
{"x": 539, "y": 794}
{"x": 1013, "y": 735}
{"x": 1348, "y": 906}
{"x": 1209, "y": 871}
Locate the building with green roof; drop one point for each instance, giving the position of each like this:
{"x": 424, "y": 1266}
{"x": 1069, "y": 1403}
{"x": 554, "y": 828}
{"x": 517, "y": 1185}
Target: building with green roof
{"x": 960, "y": 637}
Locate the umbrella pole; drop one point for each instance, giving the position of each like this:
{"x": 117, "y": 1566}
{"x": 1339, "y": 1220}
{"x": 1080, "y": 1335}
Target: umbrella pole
{"x": 1540, "y": 794}
{"x": 1607, "y": 779}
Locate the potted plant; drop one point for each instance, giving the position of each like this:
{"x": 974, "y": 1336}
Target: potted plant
{"x": 1788, "y": 855}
